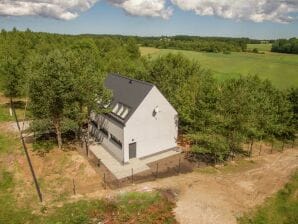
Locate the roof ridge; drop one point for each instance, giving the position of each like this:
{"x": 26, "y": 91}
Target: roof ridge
{"x": 132, "y": 79}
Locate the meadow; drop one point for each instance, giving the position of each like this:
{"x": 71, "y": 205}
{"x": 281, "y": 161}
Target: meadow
{"x": 280, "y": 69}
{"x": 260, "y": 47}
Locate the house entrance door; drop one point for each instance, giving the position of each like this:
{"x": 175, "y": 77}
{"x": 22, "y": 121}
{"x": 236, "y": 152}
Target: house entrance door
{"x": 132, "y": 150}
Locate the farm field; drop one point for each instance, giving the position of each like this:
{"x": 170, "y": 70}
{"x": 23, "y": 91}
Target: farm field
{"x": 260, "y": 47}
{"x": 280, "y": 69}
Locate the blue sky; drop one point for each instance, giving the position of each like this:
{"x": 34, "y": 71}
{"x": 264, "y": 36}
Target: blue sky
{"x": 104, "y": 18}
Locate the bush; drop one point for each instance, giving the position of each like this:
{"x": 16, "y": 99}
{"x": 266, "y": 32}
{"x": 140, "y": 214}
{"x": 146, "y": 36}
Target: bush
{"x": 43, "y": 146}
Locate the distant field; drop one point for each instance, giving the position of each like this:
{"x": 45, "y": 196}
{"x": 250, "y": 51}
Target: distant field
{"x": 281, "y": 69}
{"x": 260, "y": 47}
{"x": 148, "y": 50}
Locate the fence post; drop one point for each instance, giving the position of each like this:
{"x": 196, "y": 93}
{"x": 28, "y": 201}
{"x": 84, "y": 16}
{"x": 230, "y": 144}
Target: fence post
{"x": 179, "y": 165}
{"x": 272, "y": 147}
{"x": 98, "y": 162}
{"x": 73, "y": 187}
{"x": 104, "y": 181}
{"x": 132, "y": 175}
{"x": 156, "y": 175}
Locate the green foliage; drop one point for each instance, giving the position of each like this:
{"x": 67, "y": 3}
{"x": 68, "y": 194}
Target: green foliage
{"x": 219, "y": 117}
{"x": 280, "y": 69}
{"x": 255, "y": 50}
{"x": 210, "y": 147}
{"x": 4, "y": 113}
{"x": 43, "y": 146}
{"x": 281, "y": 209}
{"x": 7, "y": 143}
{"x": 9, "y": 212}
{"x": 289, "y": 46}
{"x": 264, "y": 47}
{"x": 208, "y": 44}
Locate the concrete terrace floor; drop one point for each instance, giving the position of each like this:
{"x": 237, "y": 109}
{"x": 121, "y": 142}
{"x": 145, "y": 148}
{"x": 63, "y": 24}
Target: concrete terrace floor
{"x": 120, "y": 170}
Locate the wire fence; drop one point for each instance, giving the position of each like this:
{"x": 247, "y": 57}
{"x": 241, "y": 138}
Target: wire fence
{"x": 171, "y": 166}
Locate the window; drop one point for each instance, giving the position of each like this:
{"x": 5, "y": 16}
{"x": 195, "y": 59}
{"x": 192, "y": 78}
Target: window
{"x": 116, "y": 107}
{"x": 104, "y": 131}
{"x": 116, "y": 141}
{"x": 124, "y": 113}
{"x": 121, "y": 110}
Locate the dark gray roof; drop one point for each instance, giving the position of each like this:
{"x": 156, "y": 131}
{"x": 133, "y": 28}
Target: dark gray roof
{"x": 127, "y": 91}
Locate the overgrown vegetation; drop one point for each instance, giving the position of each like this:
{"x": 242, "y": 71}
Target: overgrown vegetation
{"x": 63, "y": 78}
{"x": 193, "y": 43}
{"x": 289, "y": 46}
{"x": 278, "y": 68}
{"x": 131, "y": 207}
{"x": 219, "y": 117}
{"x": 280, "y": 209}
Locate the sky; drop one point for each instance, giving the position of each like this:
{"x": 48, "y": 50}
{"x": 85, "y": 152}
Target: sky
{"x": 259, "y": 19}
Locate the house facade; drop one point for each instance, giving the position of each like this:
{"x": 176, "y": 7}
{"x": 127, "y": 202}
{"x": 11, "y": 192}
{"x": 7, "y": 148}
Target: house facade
{"x": 142, "y": 122}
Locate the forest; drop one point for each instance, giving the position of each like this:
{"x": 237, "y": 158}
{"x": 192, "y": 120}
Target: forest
{"x": 289, "y": 46}
{"x": 54, "y": 71}
{"x": 207, "y": 44}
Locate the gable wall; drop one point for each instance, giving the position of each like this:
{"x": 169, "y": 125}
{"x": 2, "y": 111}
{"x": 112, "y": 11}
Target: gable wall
{"x": 152, "y": 134}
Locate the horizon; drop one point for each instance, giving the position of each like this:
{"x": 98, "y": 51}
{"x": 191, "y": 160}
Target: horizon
{"x": 156, "y": 18}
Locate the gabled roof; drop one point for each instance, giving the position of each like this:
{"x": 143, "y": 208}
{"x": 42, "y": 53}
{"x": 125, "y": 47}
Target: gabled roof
{"x": 128, "y": 92}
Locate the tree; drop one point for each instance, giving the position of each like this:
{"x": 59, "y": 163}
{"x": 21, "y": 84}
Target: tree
{"x": 52, "y": 91}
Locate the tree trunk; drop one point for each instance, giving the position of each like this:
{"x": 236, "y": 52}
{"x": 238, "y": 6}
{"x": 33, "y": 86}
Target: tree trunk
{"x": 251, "y": 145}
{"x": 58, "y": 132}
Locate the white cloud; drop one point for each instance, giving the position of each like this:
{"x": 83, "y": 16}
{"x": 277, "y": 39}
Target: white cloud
{"x": 151, "y": 8}
{"x": 254, "y": 10}
{"x": 58, "y": 9}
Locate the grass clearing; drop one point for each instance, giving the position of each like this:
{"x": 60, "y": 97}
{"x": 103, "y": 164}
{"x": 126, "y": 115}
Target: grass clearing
{"x": 148, "y": 50}
{"x": 280, "y": 209}
{"x": 260, "y": 47}
{"x": 280, "y": 69}
{"x": 8, "y": 143}
{"x": 19, "y": 203}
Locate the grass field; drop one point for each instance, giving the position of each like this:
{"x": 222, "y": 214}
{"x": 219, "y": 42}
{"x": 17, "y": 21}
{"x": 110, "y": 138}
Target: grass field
{"x": 281, "y": 69}
{"x": 260, "y": 47}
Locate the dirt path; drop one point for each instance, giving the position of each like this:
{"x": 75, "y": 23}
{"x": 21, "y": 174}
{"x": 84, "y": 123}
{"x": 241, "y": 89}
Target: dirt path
{"x": 221, "y": 197}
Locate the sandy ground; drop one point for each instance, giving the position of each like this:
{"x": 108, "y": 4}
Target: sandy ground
{"x": 205, "y": 198}
{"x": 224, "y": 196}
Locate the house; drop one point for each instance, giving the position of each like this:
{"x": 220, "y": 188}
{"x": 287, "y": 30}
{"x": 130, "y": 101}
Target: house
{"x": 142, "y": 121}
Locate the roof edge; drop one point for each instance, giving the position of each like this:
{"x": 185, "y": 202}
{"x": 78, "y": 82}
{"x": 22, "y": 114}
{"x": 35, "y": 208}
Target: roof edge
{"x": 132, "y": 79}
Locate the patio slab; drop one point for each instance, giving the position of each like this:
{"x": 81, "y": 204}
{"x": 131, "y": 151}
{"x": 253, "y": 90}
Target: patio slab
{"x": 120, "y": 170}
{"x": 114, "y": 166}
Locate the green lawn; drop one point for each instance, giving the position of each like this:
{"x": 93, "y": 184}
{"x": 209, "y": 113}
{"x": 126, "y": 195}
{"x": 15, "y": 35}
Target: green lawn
{"x": 281, "y": 209}
{"x": 260, "y": 47}
{"x": 281, "y": 69}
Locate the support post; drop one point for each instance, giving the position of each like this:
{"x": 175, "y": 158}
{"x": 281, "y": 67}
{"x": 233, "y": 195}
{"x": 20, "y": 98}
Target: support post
{"x": 132, "y": 175}
{"x": 104, "y": 181}
{"x": 179, "y": 165}
{"x": 26, "y": 152}
{"x": 156, "y": 174}
{"x": 73, "y": 186}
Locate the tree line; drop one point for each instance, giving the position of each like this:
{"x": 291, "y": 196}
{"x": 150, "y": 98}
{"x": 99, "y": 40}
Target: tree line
{"x": 206, "y": 44}
{"x": 289, "y": 46}
{"x": 63, "y": 78}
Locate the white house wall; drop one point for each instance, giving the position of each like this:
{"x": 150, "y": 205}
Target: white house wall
{"x": 151, "y": 134}
{"x": 115, "y": 129}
